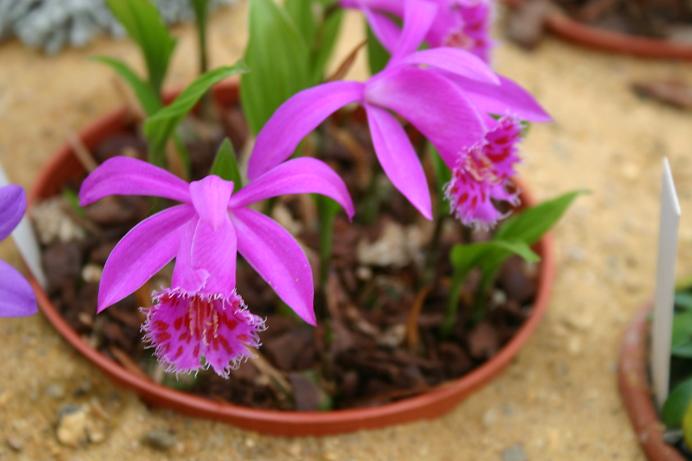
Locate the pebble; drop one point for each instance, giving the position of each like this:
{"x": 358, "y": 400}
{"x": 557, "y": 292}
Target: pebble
{"x": 160, "y": 439}
{"x": 489, "y": 418}
{"x": 514, "y": 453}
{"x": 83, "y": 388}
{"x": 72, "y": 425}
{"x": 4, "y": 398}
{"x": 55, "y": 391}
{"x": 631, "y": 171}
{"x": 574, "y": 345}
{"x": 579, "y": 322}
{"x": 295, "y": 449}
{"x": 15, "y": 443}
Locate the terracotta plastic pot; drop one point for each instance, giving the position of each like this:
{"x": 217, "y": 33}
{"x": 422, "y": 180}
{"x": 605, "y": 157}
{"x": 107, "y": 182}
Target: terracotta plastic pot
{"x": 615, "y": 42}
{"x": 636, "y": 393}
{"x": 64, "y": 166}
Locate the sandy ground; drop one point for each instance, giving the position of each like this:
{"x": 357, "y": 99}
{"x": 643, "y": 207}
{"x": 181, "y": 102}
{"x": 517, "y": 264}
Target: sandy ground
{"x": 558, "y": 401}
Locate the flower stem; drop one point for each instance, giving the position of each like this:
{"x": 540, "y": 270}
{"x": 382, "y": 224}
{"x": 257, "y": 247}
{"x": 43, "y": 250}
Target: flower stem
{"x": 450, "y": 318}
{"x": 370, "y": 204}
{"x": 327, "y": 210}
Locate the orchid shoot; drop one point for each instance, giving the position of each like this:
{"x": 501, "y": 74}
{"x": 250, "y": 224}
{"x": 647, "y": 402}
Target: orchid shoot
{"x": 144, "y": 25}
{"x": 201, "y": 10}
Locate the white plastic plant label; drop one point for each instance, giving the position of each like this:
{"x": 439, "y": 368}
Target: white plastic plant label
{"x": 665, "y": 285}
{"x": 23, "y": 237}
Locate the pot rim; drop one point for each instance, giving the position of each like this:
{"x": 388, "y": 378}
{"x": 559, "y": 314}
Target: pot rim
{"x": 611, "y": 41}
{"x": 433, "y": 403}
{"x": 636, "y": 392}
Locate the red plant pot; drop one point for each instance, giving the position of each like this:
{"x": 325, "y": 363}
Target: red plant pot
{"x": 64, "y": 166}
{"x": 614, "y": 42}
{"x": 636, "y": 393}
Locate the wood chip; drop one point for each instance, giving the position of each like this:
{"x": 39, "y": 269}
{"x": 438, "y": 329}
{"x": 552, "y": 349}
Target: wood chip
{"x": 412, "y": 333}
{"x": 82, "y": 153}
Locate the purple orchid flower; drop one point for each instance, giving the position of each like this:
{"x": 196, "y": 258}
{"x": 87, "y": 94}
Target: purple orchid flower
{"x": 201, "y": 315}
{"x": 461, "y": 24}
{"x": 16, "y": 296}
{"x": 424, "y": 88}
{"x": 491, "y": 98}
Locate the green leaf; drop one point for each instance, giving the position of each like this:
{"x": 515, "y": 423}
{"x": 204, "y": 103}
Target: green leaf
{"x": 324, "y": 44}
{"x": 682, "y": 335}
{"x": 687, "y": 426}
{"x": 303, "y": 17}
{"x": 675, "y": 405}
{"x": 683, "y": 301}
{"x": 466, "y": 257}
{"x": 201, "y": 10}
{"x": 226, "y": 164}
{"x": 72, "y": 199}
{"x": 149, "y": 100}
{"x": 278, "y": 58}
{"x": 159, "y": 127}
{"x": 144, "y": 25}
{"x": 378, "y": 56}
{"x": 530, "y": 225}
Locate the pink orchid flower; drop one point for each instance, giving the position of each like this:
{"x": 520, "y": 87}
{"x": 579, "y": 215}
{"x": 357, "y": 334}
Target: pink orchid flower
{"x": 16, "y": 296}
{"x": 201, "y": 315}
{"x": 422, "y": 87}
{"x": 458, "y": 23}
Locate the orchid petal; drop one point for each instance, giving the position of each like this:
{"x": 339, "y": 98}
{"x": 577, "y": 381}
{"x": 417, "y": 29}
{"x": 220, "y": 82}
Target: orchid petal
{"x": 398, "y": 159}
{"x": 186, "y": 276}
{"x": 16, "y": 296}
{"x": 207, "y": 257}
{"x": 455, "y": 61}
{"x": 386, "y": 31}
{"x": 298, "y": 176}
{"x": 131, "y": 176}
{"x": 143, "y": 252}
{"x": 433, "y": 104}
{"x": 210, "y": 198}
{"x": 506, "y": 98}
{"x": 12, "y": 207}
{"x": 278, "y": 259}
{"x": 418, "y": 17}
{"x": 297, "y": 117}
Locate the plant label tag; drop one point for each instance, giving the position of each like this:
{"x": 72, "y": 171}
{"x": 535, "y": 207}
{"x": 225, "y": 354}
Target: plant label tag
{"x": 665, "y": 285}
{"x": 23, "y": 237}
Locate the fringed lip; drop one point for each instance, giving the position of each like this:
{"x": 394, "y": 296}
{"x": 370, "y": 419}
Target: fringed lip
{"x": 192, "y": 331}
{"x": 482, "y": 176}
